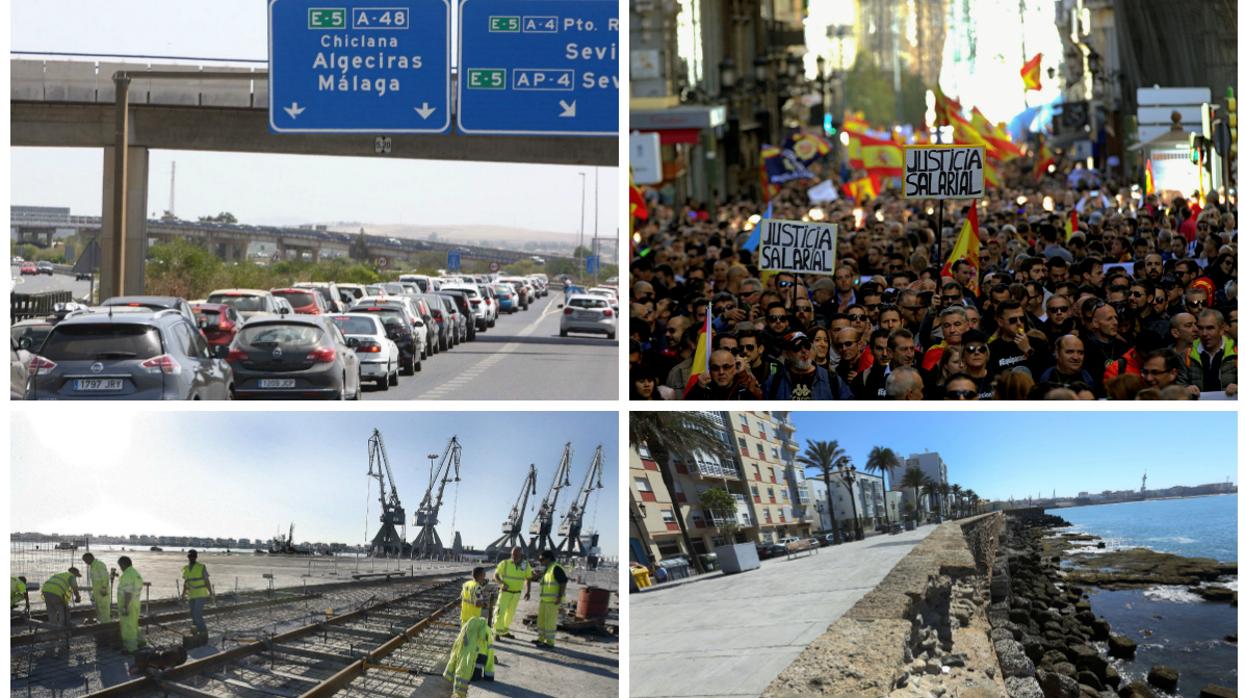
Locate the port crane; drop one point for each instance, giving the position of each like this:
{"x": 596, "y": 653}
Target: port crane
{"x": 427, "y": 543}
{"x": 542, "y": 528}
{"x": 512, "y": 528}
{"x": 388, "y": 542}
{"x": 573, "y": 521}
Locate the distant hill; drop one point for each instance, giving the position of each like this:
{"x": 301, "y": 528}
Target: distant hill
{"x": 486, "y": 235}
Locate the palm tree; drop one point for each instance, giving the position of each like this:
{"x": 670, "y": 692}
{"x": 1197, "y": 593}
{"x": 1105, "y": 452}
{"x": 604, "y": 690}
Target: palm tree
{"x": 679, "y": 435}
{"x": 972, "y": 500}
{"x": 915, "y": 480}
{"x": 943, "y": 490}
{"x": 884, "y": 461}
{"x": 825, "y": 455}
{"x": 958, "y": 493}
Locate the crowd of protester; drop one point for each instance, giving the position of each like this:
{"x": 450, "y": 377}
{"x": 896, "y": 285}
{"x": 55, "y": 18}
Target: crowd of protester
{"x": 1138, "y": 302}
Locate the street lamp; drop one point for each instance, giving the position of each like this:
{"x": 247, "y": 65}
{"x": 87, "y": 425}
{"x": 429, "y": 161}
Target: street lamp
{"x": 849, "y": 477}
{"x": 760, "y": 71}
{"x": 727, "y": 75}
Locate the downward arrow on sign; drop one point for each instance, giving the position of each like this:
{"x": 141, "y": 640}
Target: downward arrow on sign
{"x": 568, "y": 110}
{"x": 294, "y": 110}
{"x": 424, "y": 110}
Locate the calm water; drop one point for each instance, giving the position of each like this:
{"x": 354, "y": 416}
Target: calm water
{"x": 1171, "y": 625}
{"x": 1194, "y": 527}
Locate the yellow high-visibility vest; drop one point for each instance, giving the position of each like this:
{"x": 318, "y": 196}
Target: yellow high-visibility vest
{"x": 196, "y": 580}
{"x": 59, "y": 585}
{"x": 470, "y": 597}
{"x": 512, "y": 575}
{"x": 17, "y": 592}
{"x": 549, "y": 584}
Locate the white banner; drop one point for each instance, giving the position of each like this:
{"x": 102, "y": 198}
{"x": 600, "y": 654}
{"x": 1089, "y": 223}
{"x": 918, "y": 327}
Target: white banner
{"x": 944, "y": 171}
{"x": 801, "y": 247}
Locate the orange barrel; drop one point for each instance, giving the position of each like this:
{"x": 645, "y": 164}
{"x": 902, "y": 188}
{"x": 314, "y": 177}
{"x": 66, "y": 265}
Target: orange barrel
{"x": 593, "y": 603}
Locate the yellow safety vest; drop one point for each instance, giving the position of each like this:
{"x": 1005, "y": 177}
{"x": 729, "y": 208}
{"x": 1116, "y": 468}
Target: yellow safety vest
{"x": 196, "y": 580}
{"x": 59, "y": 585}
{"x": 99, "y": 576}
{"x": 130, "y": 583}
{"x": 470, "y": 598}
{"x": 549, "y": 585}
{"x": 17, "y": 592}
{"x": 513, "y": 576}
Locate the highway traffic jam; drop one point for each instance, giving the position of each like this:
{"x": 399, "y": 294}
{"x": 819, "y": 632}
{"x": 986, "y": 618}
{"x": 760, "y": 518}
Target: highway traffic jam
{"x": 313, "y": 340}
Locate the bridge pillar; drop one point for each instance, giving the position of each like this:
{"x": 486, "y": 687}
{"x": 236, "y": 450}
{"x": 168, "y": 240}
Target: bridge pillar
{"x": 134, "y": 264}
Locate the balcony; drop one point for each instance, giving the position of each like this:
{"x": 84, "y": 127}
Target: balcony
{"x": 787, "y": 427}
{"x": 713, "y": 469}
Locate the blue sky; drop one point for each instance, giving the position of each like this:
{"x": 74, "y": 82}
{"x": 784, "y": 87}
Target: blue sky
{"x": 1019, "y": 454}
{"x": 277, "y": 189}
{"x": 247, "y": 474}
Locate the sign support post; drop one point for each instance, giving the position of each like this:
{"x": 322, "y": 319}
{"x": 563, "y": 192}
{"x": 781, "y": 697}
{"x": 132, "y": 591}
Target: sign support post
{"x": 938, "y": 251}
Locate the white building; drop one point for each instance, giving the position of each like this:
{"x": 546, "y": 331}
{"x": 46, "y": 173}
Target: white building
{"x": 866, "y": 490}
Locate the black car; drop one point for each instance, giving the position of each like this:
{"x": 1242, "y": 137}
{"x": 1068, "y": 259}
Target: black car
{"x": 463, "y": 304}
{"x": 296, "y": 356}
{"x": 398, "y": 328}
{"x": 141, "y": 355}
{"x": 767, "y": 550}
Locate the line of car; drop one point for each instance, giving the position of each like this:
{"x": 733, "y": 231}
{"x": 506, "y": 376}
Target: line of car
{"x": 310, "y": 340}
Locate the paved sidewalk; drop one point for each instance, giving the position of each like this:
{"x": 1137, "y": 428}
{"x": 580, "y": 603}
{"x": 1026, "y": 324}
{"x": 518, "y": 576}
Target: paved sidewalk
{"x": 731, "y": 635}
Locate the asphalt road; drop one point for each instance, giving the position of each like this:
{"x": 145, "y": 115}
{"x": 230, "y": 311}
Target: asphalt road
{"x": 731, "y": 635}
{"x": 521, "y": 358}
{"x": 41, "y": 283}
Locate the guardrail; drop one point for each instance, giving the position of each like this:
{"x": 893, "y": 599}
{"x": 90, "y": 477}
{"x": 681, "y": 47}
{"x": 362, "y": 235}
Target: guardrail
{"x": 29, "y": 305}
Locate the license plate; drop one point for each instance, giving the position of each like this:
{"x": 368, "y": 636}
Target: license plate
{"x": 585, "y": 314}
{"x": 97, "y": 384}
{"x": 276, "y": 383}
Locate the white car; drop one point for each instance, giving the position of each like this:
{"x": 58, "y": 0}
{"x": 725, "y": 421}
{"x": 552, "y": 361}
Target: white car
{"x": 605, "y": 293}
{"x": 379, "y": 358}
{"x": 426, "y": 283}
{"x": 583, "y": 312}
{"x": 479, "y": 309}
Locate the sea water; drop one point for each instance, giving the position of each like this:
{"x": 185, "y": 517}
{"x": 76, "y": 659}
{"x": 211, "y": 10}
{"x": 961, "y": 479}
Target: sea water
{"x": 1171, "y": 625}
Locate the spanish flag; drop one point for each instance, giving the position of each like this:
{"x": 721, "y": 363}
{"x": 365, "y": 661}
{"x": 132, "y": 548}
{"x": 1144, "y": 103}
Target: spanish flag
{"x": 863, "y": 188}
{"x": 881, "y": 158}
{"x": 1149, "y": 179}
{"x": 1045, "y": 158}
{"x": 855, "y": 122}
{"x": 1071, "y": 226}
{"x": 700, "y": 360}
{"x": 967, "y": 247}
{"x": 1031, "y": 73}
{"x": 990, "y": 174}
{"x": 639, "y": 209}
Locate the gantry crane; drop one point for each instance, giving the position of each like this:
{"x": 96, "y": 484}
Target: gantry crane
{"x": 542, "y": 528}
{"x": 512, "y": 529}
{"x": 388, "y": 541}
{"x": 427, "y": 543}
{"x": 573, "y": 521}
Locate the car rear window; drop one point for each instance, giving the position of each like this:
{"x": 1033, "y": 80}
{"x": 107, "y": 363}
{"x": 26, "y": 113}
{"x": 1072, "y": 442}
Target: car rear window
{"x": 588, "y": 303}
{"x": 106, "y": 341}
{"x": 355, "y": 325}
{"x": 35, "y": 334}
{"x": 211, "y": 317}
{"x": 298, "y": 299}
{"x": 239, "y": 302}
{"x": 279, "y": 335}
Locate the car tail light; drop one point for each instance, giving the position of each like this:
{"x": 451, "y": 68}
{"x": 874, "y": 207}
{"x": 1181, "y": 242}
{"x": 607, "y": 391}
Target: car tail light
{"x": 475, "y": 301}
{"x": 225, "y": 326}
{"x": 368, "y": 348}
{"x": 608, "y": 313}
{"x": 323, "y": 355}
{"x": 40, "y": 366}
{"x": 162, "y": 364}
{"x": 236, "y": 355}
{"x": 568, "y": 311}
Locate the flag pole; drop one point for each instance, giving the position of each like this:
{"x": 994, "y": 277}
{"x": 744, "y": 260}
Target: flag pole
{"x": 938, "y": 251}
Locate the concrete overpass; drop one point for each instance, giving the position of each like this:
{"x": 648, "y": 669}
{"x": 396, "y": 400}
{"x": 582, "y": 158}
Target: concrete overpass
{"x": 73, "y": 104}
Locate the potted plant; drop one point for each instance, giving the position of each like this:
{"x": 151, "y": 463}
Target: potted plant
{"x": 732, "y": 557}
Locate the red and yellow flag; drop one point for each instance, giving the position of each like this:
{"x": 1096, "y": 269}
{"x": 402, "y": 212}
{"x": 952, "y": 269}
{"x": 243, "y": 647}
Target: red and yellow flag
{"x": 704, "y": 343}
{"x": 1031, "y": 73}
{"x": 1071, "y": 226}
{"x": 1045, "y": 158}
{"x": 863, "y": 188}
{"x": 1149, "y": 179}
{"x": 881, "y": 158}
{"x": 968, "y": 248}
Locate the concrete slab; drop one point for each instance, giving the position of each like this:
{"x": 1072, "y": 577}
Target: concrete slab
{"x": 732, "y": 635}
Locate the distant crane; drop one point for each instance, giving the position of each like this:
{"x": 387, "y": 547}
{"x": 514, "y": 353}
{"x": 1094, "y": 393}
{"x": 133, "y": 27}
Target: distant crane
{"x": 427, "y": 543}
{"x": 388, "y": 541}
{"x": 542, "y": 528}
{"x": 512, "y": 529}
{"x": 573, "y": 522}
{"x": 285, "y": 546}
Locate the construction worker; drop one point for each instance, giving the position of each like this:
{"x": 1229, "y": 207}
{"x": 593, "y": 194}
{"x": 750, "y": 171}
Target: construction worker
{"x": 56, "y": 592}
{"x": 198, "y": 588}
{"x": 473, "y": 597}
{"x": 129, "y": 595}
{"x": 552, "y": 589}
{"x": 473, "y": 638}
{"x": 511, "y": 574}
{"x": 101, "y": 590}
{"x": 18, "y": 593}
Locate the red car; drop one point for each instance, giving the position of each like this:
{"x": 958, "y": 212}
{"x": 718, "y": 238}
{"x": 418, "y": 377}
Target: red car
{"x": 218, "y": 321}
{"x": 306, "y": 301}
{"x": 29, "y": 268}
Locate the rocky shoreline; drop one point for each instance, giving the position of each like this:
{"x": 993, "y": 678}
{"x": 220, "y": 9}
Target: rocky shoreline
{"x": 1045, "y": 633}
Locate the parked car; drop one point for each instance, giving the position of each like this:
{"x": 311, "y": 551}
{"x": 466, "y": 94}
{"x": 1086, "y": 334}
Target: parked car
{"x": 296, "y": 356}
{"x": 305, "y": 301}
{"x": 218, "y": 322}
{"x": 379, "y": 357}
{"x": 585, "y": 313}
{"x": 767, "y": 550}
{"x": 471, "y": 305}
{"x": 459, "y": 320}
{"x": 142, "y": 354}
{"x": 249, "y": 302}
{"x": 396, "y": 319}
{"x": 153, "y": 303}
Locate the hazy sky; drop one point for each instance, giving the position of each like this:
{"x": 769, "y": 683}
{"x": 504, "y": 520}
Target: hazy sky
{"x": 247, "y": 474}
{"x": 277, "y": 189}
{"x": 1019, "y": 454}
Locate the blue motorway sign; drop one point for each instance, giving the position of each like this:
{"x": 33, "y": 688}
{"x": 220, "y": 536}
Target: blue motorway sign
{"x": 538, "y": 67}
{"x": 358, "y": 66}
{"x": 454, "y": 261}
{"x": 592, "y": 264}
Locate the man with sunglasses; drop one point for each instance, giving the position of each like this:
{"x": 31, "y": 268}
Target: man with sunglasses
{"x": 777, "y": 326}
{"x": 801, "y": 379}
{"x": 1012, "y": 345}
